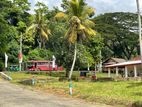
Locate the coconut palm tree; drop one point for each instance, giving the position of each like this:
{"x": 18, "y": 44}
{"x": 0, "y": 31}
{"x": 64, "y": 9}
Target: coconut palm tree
{"x": 39, "y": 27}
{"x": 80, "y": 26}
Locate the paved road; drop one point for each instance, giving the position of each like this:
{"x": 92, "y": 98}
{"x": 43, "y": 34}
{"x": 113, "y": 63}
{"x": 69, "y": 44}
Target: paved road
{"x": 12, "y": 95}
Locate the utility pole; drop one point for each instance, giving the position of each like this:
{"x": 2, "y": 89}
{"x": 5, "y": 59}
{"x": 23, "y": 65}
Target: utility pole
{"x": 139, "y": 21}
{"x": 20, "y": 54}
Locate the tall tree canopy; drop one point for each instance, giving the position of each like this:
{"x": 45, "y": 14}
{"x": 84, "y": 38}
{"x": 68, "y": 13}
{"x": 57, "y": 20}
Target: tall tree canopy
{"x": 39, "y": 27}
{"x": 120, "y": 33}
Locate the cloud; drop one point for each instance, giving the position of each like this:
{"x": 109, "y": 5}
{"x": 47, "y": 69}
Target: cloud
{"x": 105, "y": 6}
{"x": 101, "y": 6}
{"x": 49, "y": 3}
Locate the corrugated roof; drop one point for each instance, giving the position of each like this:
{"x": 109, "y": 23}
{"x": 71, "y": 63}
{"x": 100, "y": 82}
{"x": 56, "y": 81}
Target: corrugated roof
{"x": 113, "y": 61}
{"x": 119, "y": 59}
{"x": 128, "y": 63}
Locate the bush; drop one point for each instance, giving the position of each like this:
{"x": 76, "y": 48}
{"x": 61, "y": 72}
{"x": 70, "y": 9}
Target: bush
{"x": 1, "y": 66}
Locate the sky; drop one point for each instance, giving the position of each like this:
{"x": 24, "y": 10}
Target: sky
{"x": 101, "y": 6}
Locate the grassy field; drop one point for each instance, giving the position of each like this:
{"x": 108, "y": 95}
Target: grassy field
{"x": 109, "y": 92}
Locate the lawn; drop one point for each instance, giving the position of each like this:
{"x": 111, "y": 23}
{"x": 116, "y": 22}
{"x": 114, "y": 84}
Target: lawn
{"x": 113, "y": 93}
{"x": 18, "y": 76}
{"x": 109, "y": 92}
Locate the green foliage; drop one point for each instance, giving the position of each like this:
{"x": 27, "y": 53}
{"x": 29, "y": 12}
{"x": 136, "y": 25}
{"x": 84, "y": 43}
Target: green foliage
{"x": 1, "y": 66}
{"x": 95, "y": 45}
{"x": 39, "y": 54}
{"x": 7, "y": 33}
{"x": 18, "y": 12}
{"x": 39, "y": 27}
{"x": 57, "y": 43}
{"x": 84, "y": 56}
{"x": 119, "y": 31}
{"x": 13, "y": 50}
{"x": 21, "y": 26}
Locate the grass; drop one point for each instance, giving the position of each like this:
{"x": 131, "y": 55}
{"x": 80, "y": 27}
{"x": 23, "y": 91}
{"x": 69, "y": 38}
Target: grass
{"x": 110, "y": 92}
{"x": 18, "y": 76}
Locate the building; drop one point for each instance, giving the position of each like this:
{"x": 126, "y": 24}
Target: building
{"x": 111, "y": 61}
{"x": 127, "y": 68}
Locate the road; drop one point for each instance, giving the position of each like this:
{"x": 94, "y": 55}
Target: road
{"x": 12, "y": 95}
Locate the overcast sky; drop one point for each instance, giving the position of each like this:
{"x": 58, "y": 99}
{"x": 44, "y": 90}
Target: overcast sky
{"x": 101, "y": 6}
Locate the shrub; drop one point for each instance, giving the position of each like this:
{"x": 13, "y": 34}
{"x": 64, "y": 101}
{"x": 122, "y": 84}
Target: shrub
{"x": 1, "y": 66}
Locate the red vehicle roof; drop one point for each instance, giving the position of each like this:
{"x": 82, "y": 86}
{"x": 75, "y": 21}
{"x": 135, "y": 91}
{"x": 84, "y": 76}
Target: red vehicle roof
{"x": 35, "y": 61}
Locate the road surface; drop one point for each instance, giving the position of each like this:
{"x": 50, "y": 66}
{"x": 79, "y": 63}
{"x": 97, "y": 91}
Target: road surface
{"x": 12, "y": 95}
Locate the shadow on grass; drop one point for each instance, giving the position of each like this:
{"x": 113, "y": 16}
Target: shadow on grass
{"x": 138, "y": 94}
{"x": 105, "y": 79}
{"x": 132, "y": 85}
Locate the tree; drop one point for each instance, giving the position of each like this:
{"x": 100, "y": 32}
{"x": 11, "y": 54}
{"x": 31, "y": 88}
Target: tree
{"x": 13, "y": 12}
{"x": 119, "y": 33}
{"x": 39, "y": 54}
{"x": 39, "y": 28}
{"x": 79, "y": 26}
{"x": 17, "y": 11}
{"x": 7, "y": 32}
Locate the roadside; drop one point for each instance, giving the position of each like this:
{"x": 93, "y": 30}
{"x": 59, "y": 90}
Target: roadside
{"x": 114, "y": 93}
{"x": 16, "y": 96}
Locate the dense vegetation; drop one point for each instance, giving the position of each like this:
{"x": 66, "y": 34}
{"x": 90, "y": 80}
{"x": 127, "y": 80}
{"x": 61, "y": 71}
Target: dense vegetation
{"x": 44, "y": 33}
{"x": 120, "y": 34}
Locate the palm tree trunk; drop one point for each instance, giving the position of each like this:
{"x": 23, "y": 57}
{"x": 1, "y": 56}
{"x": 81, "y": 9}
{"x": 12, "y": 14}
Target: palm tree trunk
{"x": 43, "y": 43}
{"x": 71, "y": 71}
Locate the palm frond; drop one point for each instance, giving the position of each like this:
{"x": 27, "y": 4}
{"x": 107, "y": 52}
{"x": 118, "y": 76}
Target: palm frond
{"x": 61, "y": 15}
{"x": 80, "y": 27}
{"x": 91, "y": 11}
{"x": 87, "y": 12}
{"x": 44, "y": 34}
{"x": 48, "y": 31}
{"x": 74, "y": 7}
{"x": 81, "y": 6}
{"x": 90, "y": 32}
{"x": 88, "y": 23}
{"x": 33, "y": 26}
{"x": 73, "y": 36}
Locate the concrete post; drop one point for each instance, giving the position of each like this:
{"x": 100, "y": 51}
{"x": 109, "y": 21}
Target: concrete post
{"x": 109, "y": 72}
{"x": 135, "y": 71}
{"x": 117, "y": 71}
{"x": 126, "y": 72}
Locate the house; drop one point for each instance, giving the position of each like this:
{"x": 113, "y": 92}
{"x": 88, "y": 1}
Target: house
{"x": 111, "y": 61}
